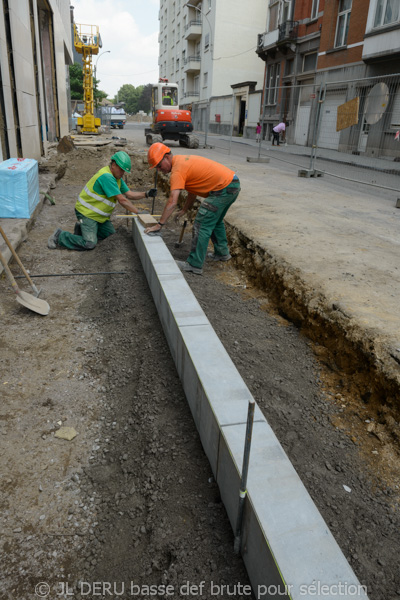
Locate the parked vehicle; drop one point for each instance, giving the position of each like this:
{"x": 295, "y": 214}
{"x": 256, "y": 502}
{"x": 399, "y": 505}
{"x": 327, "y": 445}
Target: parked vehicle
{"x": 118, "y": 117}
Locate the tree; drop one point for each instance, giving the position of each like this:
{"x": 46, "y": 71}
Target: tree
{"x": 76, "y": 84}
{"x": 76, "y": 81}
{"x": 144, "y": 102}
{"x": 130, "y": 95}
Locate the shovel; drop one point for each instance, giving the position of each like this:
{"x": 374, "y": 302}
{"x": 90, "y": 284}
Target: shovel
{"x": 38, "y": 306}
{"x": 15, "y": 255}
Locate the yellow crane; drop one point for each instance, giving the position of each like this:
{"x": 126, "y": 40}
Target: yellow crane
{"x": 87, "y": 42}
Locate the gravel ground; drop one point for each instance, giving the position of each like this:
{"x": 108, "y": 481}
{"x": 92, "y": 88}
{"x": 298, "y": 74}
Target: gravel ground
{"x": 131, "y": 499}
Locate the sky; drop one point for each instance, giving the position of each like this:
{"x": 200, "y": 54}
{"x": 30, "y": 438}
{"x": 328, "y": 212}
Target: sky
{"x": 129, "y": 29}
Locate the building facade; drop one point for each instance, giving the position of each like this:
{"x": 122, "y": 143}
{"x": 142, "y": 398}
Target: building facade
{"x": 322, "y": 54}
{"x": 208, "y": 48}
{"x": 35, "y": 51}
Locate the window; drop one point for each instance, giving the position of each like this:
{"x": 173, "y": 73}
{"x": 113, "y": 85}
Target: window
{"x": 310, "y": 62}
{"x": 289, "y": 67}
{"x": 343, "y": 20}
{"x": 273, "y": 15}
{"x": 272, "y": 83}
{"x": 177, "y": 64}
{"x": 387, "y": 11}
{"x": 206, "y": 41}
{"x": 205, "y": 79}
{"x": 314, "y": 9}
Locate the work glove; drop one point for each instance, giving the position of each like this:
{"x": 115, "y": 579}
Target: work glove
{"x": 151, "y": 193}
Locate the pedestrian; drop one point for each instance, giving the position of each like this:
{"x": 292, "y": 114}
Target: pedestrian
{"x": 258, "y": 132}
{"x": 276, "y": 131}
{"x": 95, "y": 205}
{"x": 203, "y": 177}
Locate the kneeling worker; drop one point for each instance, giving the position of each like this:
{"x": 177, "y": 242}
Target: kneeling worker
{"x": 199, "y": 176}
{"x": 95, "y": 205}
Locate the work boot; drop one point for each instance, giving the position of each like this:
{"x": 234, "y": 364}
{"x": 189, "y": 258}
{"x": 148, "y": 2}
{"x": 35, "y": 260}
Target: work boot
{"x": 187, "y": 267}
{"x": 52, "y": 242}
{"x": 221, "y": 257}
{"x": 77, "y": 229}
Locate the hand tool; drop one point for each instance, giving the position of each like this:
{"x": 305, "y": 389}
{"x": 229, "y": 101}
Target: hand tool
{"x": 35, "y": 304}
{"x": 33, "y": 286}
{"x": 133, "y": 216}
{"x": 179, "y": 243}
{"x": 155, "y": 186}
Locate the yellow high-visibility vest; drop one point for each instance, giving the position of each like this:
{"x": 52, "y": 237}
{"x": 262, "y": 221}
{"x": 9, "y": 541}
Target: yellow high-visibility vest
{"x": 95, "y": 206}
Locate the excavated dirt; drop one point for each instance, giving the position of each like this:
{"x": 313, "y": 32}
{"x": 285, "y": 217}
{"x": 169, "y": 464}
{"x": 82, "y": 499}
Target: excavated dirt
{"x": 131, "y": 501}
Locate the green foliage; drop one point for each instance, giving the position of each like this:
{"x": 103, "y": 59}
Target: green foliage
{"x": 145, "y": 99}
{"x": 135, "y": 98}
{"x": 76, "y": 83}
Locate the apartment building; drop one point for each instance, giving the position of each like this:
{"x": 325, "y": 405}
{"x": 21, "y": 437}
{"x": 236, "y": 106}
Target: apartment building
{"x": 289, "y": 48}
{"x": 321, "y": 54}
{"x": 208, "y": 48}
{"x": 35, "y": 51}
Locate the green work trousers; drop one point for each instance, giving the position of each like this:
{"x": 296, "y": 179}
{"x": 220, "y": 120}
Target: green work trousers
{"x": 91, "y": 233}
{"x": 209, "y": 224}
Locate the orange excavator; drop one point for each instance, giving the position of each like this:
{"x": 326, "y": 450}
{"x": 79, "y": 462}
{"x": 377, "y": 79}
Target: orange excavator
{"x": 169, "y": 121}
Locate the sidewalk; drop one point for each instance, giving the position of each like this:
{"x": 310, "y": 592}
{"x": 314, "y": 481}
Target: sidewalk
{"x": 381, "y": 164}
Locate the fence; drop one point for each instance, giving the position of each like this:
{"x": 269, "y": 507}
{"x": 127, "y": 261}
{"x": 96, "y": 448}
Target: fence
{"x": 355, "y": 123}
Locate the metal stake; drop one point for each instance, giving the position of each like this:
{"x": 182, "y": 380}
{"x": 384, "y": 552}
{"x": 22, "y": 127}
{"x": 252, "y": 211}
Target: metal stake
{"x": 243, "y": 482}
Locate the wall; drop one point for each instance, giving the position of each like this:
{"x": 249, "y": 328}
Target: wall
{"x": 235, "y": 42}
{"x": 352, "y": 53}
{"x": 25, "y": 129}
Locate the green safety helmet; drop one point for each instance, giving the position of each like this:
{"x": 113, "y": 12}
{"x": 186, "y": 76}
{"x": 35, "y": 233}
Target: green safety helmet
{"x": 123, "y": 161}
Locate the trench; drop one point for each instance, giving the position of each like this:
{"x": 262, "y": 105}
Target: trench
{"x": 361, "y": 366}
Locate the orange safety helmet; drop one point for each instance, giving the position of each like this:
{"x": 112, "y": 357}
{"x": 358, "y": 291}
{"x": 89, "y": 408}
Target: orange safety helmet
{"x": 156, "y": 153}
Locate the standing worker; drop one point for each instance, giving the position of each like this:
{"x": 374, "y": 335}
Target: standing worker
{"x": 258, "y": 132}
{"x": 95, "y": 205}
{"x": 277, "y": 130}
{"x": 199, "y": 177}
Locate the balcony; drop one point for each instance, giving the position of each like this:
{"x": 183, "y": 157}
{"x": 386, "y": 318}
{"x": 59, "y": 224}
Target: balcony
{"x": 193, "y": 30}
{"x": 267, "y": 40}
{"x": 192, "y": 64}
{"x": 288, "y": 32}
{"x": 191, "y": 97}
{"x": 280, "y": 38}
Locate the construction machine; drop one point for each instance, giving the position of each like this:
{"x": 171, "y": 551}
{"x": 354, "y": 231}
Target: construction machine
{"x": 87, "y": 42}
{"x": 169, "y": 121}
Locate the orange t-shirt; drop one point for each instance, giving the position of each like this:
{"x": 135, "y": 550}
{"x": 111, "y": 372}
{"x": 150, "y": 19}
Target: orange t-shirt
{"x": 198, "y": 175}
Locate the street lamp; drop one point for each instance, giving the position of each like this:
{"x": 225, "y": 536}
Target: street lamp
{"x": 95, "y": 71}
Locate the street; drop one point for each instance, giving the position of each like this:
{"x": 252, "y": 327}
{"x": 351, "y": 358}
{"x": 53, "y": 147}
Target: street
{"x": 131, "y": 498}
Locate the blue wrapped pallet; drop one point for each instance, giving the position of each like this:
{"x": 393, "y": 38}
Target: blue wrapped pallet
{"x": 19, "y": 188}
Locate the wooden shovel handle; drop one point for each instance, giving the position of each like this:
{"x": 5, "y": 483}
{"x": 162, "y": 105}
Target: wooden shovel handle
{"x": 15, "y": 255}
{"x": 9, "y": 274}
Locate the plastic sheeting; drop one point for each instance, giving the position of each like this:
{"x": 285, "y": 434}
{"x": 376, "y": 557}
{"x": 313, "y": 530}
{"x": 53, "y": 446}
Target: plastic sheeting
{"x": 19, "y": 188}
